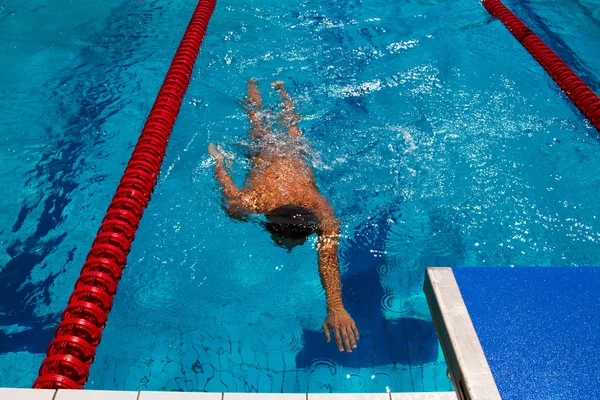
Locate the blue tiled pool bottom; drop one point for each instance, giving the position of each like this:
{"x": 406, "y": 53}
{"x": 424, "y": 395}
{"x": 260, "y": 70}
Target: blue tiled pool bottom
{"x": 539, "y": 328}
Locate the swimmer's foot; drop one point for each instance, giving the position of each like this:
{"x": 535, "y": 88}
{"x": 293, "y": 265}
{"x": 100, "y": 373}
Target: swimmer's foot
{"x": 253, "y": 99}
{"x": 277, "y": 85}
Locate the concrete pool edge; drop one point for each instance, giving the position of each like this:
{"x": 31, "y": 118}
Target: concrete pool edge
{"x": 62, "y": 394}
{"x": 467, "y": 365}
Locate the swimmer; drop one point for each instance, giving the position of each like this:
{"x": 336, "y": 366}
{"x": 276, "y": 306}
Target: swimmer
{"x": 282, "y": 187}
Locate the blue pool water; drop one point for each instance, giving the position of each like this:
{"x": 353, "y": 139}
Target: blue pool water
{"x": 437, "y": 138}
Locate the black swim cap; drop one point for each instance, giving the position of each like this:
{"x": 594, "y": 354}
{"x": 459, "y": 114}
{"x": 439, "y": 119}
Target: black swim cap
{"x": 290, "y": 225}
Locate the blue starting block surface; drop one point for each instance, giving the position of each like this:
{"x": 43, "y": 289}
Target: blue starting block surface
{"x": 539, "y": 328}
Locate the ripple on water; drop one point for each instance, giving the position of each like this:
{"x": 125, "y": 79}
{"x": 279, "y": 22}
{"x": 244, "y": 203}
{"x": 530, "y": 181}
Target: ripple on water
{"x": 397, "y": 306}
{"x": 324, "y": 371}
{"x": 382, "y": 381}
{"x": 400, "y": 266}
{"x": 385, "y": 269}
{"x": 276, "y": 336}
{"x": 443, "y": 244}
{"x": 158, "y": 295}
{"x": 354, "y": 383}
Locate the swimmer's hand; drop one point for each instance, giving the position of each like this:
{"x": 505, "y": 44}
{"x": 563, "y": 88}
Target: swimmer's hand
{"x": 220, "y": 155}
{"x": 344, "y": 329}
{"x": 212, "y": 150}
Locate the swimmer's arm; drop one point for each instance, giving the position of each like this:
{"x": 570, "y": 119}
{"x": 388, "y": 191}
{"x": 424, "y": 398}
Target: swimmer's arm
{"x": 232, "y": 196}
{"x": 338, "y": 320}
{"x": 228, "y": 187}
{"x": 327, "y": 247}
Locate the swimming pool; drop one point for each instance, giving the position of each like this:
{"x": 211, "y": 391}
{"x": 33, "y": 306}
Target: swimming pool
{"x": 436, "y": 136}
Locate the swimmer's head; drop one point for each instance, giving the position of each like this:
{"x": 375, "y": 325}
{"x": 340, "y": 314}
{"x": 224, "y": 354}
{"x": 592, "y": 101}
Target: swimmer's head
{"x": 290, "y": 225}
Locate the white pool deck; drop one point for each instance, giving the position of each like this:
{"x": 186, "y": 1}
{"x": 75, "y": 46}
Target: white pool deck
{"x": 43, "y": 394}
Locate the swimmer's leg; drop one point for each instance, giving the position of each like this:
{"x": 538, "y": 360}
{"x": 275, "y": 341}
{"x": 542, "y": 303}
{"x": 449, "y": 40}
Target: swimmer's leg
{"x": 253, "y": 106}
{"x": 288, "y": 117}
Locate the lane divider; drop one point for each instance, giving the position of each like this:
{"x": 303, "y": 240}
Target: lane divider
{"x": 579, "y": 93}
{"x": 73, "y": 349}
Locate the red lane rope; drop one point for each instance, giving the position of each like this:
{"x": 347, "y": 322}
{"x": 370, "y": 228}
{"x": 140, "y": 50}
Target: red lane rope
{"x": 579, "y": 93}
{"x": 74, "y": 346}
